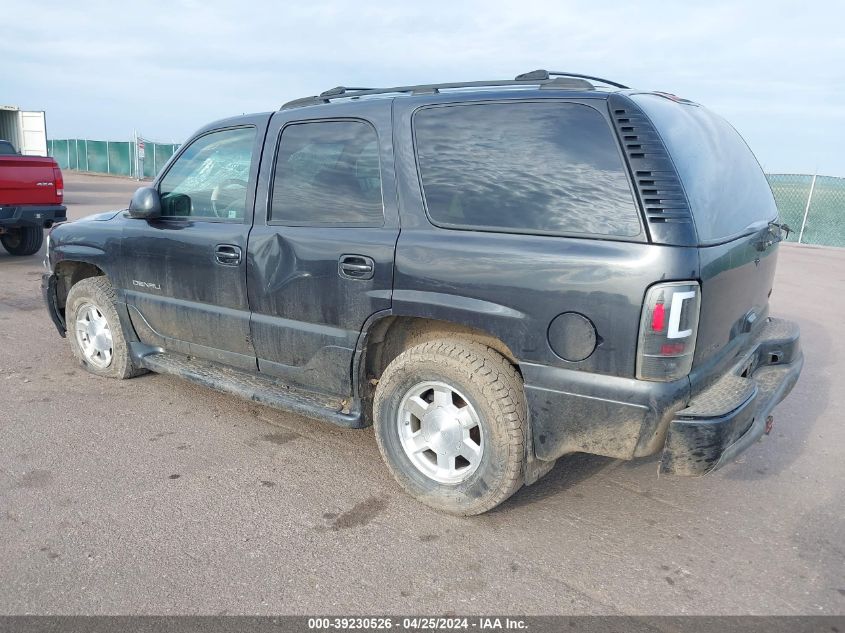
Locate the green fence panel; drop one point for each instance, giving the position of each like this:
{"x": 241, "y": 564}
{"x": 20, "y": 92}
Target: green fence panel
{"x": 109, "y": 157}
{"x": 74, "y": 150}
{"x": 826, "y": 217}
{"x": 97, "y": 158}
{"x": 156, "y": 157}
{"x": 58, "y": 150}
{"x": 84, "y": 162}
{"x": 165, "y": 152}
{"x": 120, "y": 158}
{"x": 72, "y": 158}
{"x": 791, "y": 192}
{"x": 150, "y": 170}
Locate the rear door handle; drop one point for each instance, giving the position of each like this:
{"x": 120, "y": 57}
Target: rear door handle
{"x": 227, "y": 254}
{"x": 355, "y": 267}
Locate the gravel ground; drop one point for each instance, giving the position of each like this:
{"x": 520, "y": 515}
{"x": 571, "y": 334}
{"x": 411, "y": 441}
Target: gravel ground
{"x": 156, "y": 496}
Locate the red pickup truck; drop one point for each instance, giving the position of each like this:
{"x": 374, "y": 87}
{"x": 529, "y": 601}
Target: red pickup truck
{"x": 31, "y": 195}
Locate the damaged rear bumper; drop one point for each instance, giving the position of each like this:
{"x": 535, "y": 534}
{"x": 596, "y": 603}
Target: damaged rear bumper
{"x": 728, "y": 416}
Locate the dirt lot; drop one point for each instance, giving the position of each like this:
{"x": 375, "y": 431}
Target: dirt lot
{"x": 155, "y": 496}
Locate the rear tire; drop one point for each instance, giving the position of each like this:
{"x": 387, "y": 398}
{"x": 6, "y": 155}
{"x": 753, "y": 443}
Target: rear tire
{"x": 449, "y": 418}
{"x": 94, "y": 330}
{"x": 21, "y": 241}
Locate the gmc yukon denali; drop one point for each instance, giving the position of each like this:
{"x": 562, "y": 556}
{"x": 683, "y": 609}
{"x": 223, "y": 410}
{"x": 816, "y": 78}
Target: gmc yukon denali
{"x": 31, "y": 193}
{"x": 493, "y": 274}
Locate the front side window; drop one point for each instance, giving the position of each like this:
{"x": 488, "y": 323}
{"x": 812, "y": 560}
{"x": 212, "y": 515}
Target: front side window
{"x": 524, "y": 167}
{"x": 210, "y": 178}
{"x": 327, "y": 173}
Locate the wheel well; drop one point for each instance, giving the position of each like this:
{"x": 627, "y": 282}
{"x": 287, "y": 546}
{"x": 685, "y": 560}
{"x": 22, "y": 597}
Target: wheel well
{"x": 70, "y": 273}
{"x": 389, "y": 337}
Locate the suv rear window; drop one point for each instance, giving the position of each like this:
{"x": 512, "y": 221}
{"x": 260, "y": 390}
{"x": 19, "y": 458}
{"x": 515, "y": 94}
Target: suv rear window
{"x": 523, "y": 167}
{"x": 726, "y": 188}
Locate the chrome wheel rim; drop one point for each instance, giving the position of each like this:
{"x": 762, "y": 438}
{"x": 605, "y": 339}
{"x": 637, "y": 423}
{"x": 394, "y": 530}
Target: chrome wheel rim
{"x": 440, "y": 432}
{"x": 94, "y": 335}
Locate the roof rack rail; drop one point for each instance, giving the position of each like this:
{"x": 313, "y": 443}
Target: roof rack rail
{"x": 543, "y": 78}
{"x": 540, "y": 75}
{"x": 336, "y": 92}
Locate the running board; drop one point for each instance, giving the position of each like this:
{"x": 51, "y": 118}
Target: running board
{"x": 255, "y": 388}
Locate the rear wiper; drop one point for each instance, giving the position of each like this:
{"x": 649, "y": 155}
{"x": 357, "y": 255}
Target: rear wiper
{"x": 775, "y": 233}
{"x": 783, "y": 226}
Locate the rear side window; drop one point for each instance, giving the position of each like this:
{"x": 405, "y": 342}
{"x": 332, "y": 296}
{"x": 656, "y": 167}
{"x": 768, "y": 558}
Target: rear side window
{"x": 726, "y": 188}
{"x": 327, "y": 173}
{"x": 523, "y": 167}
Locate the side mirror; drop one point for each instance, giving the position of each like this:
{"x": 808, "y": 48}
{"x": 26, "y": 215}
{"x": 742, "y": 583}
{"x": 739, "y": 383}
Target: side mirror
{"x": 145, "y": 204}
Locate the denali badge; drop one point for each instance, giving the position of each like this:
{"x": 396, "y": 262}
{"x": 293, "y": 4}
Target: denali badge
{"x": 146, "y": 284}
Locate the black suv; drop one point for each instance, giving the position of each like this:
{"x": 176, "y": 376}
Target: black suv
{"x": 493, "y": 274}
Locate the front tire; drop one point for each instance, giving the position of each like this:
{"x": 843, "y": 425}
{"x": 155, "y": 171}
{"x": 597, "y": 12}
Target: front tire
{"x": 23, "y": 241}
{"x": 94, "y": 331}
{"x": 449, "y": 419}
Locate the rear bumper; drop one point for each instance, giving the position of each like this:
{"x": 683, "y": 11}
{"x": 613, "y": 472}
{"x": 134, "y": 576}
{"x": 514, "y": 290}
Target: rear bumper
{"x": 41, "y": 216}
{"x": 728, "y": 416}
{"x": 698, "y": 426}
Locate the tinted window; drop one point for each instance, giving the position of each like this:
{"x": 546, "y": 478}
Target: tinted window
{"x": 726, "y": 187}
{"x": 7, "y": 148}
{"x": 210, "y": 178}
{"x": 536, "y": 167}
{"x": 328, "y": 173}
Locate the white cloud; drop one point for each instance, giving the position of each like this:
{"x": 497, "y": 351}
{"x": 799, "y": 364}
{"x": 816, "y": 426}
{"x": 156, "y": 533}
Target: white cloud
{"x": 774, "y": 69}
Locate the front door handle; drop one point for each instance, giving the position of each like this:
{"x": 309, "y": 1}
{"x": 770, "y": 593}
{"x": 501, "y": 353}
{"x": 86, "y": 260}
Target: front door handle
{"x": 355, "y": 267}
{"x": 227, "y": 254}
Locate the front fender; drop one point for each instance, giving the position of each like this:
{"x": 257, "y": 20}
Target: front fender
{"x": 78, "y": 253}
{"x": 88, "y": 242}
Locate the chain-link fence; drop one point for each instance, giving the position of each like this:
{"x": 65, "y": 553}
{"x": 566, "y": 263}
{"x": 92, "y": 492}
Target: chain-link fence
{"x": 121, "y": 158}
{"x": 812, "y": 206}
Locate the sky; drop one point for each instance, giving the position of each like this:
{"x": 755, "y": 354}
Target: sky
{"x": 775, "y": 70}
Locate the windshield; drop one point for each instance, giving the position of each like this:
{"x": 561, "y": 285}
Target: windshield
{"x": 7, "y": 148}
{"x": 727, "y": 190}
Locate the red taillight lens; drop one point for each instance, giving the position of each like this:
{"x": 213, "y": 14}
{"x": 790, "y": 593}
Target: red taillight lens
{"x": 672, "y": 349}
{"x": 668, "y": 330}
{"x": 658, "y": 317}
{"x": 60, "y": 182}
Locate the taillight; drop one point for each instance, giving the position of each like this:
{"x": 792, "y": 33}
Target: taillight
{"x": 668, "y": 330}
{"x": 60, "y": 182}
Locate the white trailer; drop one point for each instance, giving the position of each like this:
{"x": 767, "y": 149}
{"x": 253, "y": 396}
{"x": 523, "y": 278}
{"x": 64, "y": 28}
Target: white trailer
{"x": 27, "y": 131}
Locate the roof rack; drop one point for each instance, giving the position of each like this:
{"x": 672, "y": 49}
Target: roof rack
{"x": 543, "y": 78}
{"x": 546, "y": 74}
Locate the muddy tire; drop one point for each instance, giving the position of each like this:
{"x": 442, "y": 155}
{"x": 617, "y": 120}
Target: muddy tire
{"x": 22, "y": 241}
{"x": 94, "y": 332}
{"x": 449, "y": 419}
